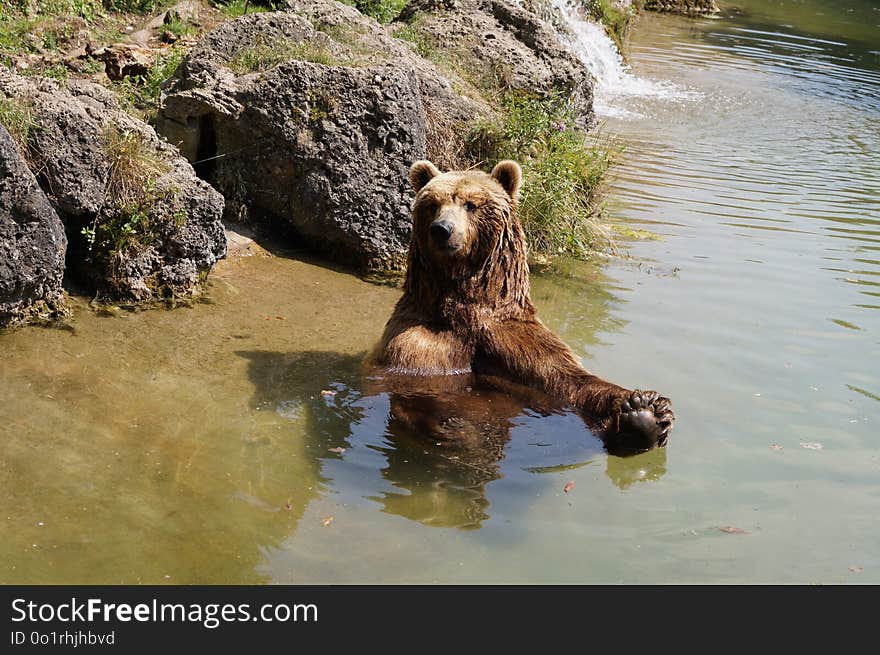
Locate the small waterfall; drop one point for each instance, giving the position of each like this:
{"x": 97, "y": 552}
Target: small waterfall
{"x": 614, "y": 81}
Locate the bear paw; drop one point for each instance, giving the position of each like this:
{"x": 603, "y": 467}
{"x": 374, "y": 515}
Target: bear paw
{"x": 641, "y": 421}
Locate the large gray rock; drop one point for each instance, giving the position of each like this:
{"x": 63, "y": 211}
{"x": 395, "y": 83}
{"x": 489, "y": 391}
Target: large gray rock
{"x": 450, "y": 105}
{"x": 141, "y": 225}
{"x": 499, "y": 45}
{"x": 308, "y": 120}
{"x": 32, "y": 243}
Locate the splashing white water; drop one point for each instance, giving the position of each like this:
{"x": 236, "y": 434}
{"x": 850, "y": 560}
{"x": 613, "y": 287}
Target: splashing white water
{"x": 614, "y": 81}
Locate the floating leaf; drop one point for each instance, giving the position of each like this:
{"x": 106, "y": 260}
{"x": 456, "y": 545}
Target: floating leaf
{"x": 729, "y": 529}
{"x": 568, "y": 487}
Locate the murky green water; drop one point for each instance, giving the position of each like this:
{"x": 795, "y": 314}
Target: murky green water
{"x": 196, "y": 445}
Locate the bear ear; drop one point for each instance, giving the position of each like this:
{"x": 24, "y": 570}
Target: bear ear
{"x": 509, "y": 175}
{"x": 421, "y": 173}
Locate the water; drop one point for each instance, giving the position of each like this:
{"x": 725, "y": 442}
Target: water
{"x": 205, "y": 444}
{"x": 615, "y": 83}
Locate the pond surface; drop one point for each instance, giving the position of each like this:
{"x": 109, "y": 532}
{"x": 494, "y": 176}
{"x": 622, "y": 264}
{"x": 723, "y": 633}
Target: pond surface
{"x": 237, "y": 441}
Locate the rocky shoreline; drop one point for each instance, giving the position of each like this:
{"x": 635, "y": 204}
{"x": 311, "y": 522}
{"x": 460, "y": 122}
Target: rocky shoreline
{"x": 299, "y": 123}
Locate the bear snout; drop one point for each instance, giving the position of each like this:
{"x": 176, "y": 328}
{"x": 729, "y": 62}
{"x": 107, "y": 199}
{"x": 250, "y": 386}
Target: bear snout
{"x": 441, "y": 230}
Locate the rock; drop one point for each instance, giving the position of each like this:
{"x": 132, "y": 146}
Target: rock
{"x": 188, "y": 11}
{"x": 684, "y": 7}
{"x": 499, "y": 46}
{"x": 124, "y": 60}
{"x": 308, "y": 120}
{"x": 140, "y": 224}
{"x": 32, "y": 243}
{"x": 449, "y": 107}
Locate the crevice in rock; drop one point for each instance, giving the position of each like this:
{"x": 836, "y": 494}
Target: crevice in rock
{"x": 206, "y": 150}
{"x": 78, "y": 278}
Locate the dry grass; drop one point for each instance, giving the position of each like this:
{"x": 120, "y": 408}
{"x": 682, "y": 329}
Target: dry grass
{"x": 564, "y": 171}
{"x": 134, "y": 165}
{"x": 263, "y": 55}
{"x": 17, "y": 116}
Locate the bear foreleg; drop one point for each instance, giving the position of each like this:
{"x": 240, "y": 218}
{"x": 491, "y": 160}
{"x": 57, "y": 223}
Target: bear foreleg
{"x": 533, "y": 355}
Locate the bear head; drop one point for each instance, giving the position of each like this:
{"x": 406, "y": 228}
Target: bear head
{"x": 467, "y": 241}
{"x": 458, "y": 216}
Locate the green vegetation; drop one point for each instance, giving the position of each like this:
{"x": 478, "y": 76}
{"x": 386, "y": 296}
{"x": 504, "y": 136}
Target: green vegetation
{"x": 132, "y": 191}
{"x": 56, "y": 71}
{"x": 141, "y": 94}
{"x": 17, "y": 116}
{"x": 264, "y": 55}
{"x": 563, "y": 171}
{"x": 132, "y": 161}
{"x": 25, "y": 28}
{"x": 384, "y": 11}
{"x": 91, "y": 66}
{"x": 411, "y": 33}
{"x": 352, "y": 37}
{"x": 176, "y": 28}
{"x": 54, "y": 26}
{"x": 135, "y": 6}
{"x": 236, "y": 8}
{"x": 322, "y": 105}
{"x": 615, "y": 20}
{"x": 488, "y": 81}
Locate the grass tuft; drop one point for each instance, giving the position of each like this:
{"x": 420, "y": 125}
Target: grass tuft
{"x": 133, "y": 164}
{"x": 264, "y": 55}
{"x": 135, "y": 6}
{"x": 132, "y": 192}
{"x": 18, "y": 117}
{"x": 383, "y": 11}
{"x": 141, "y": 94}
{"x": 563, "y": 168}
{"x": 236, "y": 8}
{"x": 616, "y": 20}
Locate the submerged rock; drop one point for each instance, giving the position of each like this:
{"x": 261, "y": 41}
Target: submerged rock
{"x": 32, "y": 243}
{"x": 684, "y": 7}
{"x": 140, "y": 224}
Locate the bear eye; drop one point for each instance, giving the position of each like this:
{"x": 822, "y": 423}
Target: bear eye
{"x": 469, "y": 206}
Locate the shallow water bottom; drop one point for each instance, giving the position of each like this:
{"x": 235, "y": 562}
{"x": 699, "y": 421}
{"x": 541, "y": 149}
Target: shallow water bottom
{"x": 237, "y": 441}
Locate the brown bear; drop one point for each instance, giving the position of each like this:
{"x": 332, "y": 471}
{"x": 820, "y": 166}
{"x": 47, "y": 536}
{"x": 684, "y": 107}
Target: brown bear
{"x": 466, "y": 308}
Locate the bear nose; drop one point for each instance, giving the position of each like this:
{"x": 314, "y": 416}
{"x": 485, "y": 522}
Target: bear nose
{"x": 441, "y": 230}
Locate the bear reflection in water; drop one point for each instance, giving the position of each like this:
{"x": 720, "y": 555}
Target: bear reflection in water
{"x": 448, "y": 437}
{"x": 442, "y": 439}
